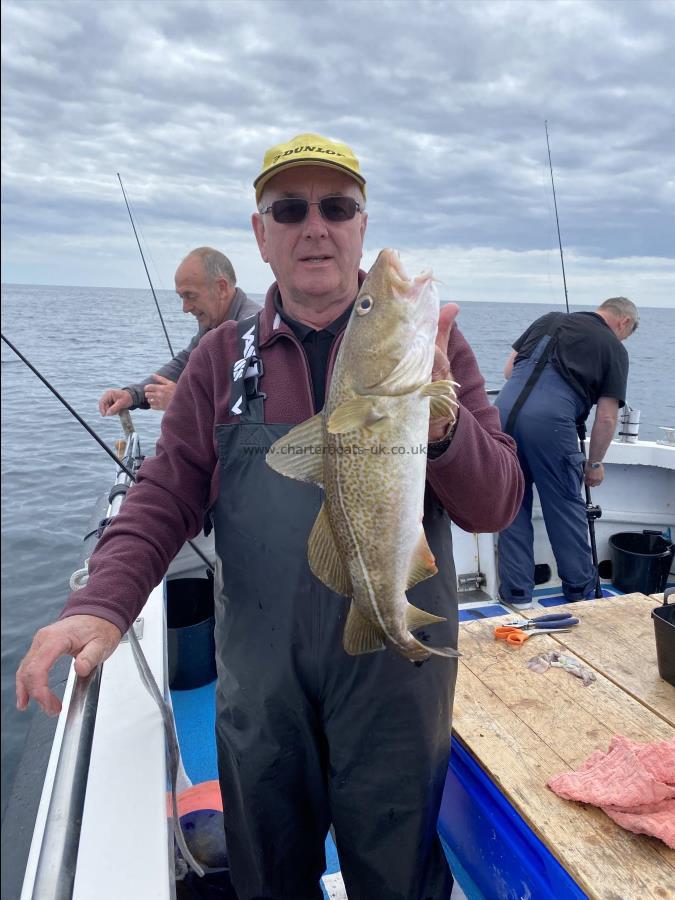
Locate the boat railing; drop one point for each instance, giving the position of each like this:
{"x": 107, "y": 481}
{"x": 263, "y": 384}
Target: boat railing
{"x": 57, "y": 861}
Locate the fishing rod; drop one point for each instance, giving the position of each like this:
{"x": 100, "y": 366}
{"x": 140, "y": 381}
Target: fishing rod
{"x": 593, "y": 511}
{"x": 91, "y": 431}
{"x": 555, "y": 204}
{"x": 68, "y": 407}
{"x": 161, "y": 318}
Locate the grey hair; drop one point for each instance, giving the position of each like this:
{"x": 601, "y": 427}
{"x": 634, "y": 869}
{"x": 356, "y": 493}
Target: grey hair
{"x": 216, "y": 264}
{"x": 621, "y": 306}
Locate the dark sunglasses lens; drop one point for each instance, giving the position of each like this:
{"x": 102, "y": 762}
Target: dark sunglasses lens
{"x": 289, "y": 211}
{"x": 338, "y": 209}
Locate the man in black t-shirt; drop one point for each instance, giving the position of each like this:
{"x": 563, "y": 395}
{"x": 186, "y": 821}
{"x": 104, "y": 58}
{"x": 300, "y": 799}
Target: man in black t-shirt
{"x": 583, "y": 363}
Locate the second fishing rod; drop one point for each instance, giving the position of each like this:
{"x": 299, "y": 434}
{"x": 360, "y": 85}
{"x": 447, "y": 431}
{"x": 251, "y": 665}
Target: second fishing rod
{"x": 593, "y": 511}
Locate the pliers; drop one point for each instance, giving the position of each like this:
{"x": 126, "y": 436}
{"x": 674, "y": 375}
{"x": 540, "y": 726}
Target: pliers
{"x": 550, "y": 622}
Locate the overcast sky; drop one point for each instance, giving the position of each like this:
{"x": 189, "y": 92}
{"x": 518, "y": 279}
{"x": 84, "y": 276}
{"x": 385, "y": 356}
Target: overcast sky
{"x": 443, "y": 102}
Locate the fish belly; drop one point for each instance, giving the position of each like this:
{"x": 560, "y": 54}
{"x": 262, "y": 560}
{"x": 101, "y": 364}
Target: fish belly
{"x": 375, "y": 484}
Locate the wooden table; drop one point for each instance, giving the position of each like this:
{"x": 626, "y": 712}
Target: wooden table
{"x": 523, "y": 728}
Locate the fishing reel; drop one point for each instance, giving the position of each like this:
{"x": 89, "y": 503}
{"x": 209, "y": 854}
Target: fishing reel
{"x": 593, "y": 512}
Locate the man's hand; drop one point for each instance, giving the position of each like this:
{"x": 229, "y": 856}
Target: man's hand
{"x": 89, "y": 639}
{"x": 438, "y": 427}
{"x": 158, "y": 395}
{"x": 593, "y": 477}
{"x": 113, "y": 401}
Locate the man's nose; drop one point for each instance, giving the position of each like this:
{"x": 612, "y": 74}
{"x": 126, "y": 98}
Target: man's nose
{"x": 314, "y": 224}
{"x": 187, "y": 306}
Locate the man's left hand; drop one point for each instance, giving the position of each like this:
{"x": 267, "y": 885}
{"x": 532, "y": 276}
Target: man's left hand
{"x": 593, "y": 477}
{"x": 439, "y": 427}
{"x": 158, "y": 395}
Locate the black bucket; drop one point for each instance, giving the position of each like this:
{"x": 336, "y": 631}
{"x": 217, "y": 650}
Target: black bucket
{"x": 640, "y": 561}
{"x": 190, "y": 642}
{"x": 664, "y": 632}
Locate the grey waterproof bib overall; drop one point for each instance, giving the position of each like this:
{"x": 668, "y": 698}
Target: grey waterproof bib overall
{"x": 306, "y": 734}
{"x": 550, "y": 457}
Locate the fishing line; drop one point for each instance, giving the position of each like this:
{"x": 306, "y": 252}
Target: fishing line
{"x": 159, "y": 311}
{"x": 118, "y": 462}
{"x": 555, "y": 204}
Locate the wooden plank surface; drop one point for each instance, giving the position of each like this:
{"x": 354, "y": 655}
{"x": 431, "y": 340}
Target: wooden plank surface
{"x": 523, "y": 728}
{"x": 616, "y": 637}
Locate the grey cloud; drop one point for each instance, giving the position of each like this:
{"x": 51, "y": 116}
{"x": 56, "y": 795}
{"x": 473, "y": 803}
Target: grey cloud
{"x": 444, "y": 103}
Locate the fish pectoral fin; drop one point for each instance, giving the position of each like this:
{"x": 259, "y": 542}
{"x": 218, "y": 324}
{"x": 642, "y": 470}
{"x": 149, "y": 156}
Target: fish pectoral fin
{"x": 299, "y": 454}
{"x": 324, "y": 558}
{"x": 423, "y": 563}
{"x": 360, "y": 412}
{"x": 443, "y": 400}
{"x": 416, "y": 618}
{"x": 360, "y": 635}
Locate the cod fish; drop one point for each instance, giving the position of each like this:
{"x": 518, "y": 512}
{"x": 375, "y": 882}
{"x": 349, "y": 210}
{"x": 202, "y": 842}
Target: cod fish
{"x": 367, "y": 449}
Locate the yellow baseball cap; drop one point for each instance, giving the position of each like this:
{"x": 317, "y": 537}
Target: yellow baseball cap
{"x": 312, "y": 150}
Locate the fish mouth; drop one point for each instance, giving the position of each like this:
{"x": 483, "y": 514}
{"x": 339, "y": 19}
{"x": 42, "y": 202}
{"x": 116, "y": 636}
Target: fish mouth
{"x": 411, "y": 288}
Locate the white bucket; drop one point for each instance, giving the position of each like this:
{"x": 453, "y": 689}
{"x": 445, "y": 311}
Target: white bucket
{"x": 629, "y": 425}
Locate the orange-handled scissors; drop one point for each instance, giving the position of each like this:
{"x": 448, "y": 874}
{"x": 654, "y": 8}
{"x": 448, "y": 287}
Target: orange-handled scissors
{"x": 517, "y": 636}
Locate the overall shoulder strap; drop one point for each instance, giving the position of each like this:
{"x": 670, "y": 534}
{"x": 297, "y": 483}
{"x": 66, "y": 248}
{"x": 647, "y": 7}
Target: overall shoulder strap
{"x": 548, "y": 342}
{"x": 246, "y": 400}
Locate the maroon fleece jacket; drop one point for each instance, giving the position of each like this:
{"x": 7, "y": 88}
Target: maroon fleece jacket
{"x": 477, "y": 479}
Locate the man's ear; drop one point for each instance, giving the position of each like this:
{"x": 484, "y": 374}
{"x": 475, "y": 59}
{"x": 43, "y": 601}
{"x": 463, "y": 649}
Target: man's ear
{"x": 258, "y": 225}
{"x": 225, "y": 289}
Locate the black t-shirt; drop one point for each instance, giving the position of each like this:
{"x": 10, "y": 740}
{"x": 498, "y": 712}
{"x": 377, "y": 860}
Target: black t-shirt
{"x": 317, "y": 346}
{"x": 587, "y": 354}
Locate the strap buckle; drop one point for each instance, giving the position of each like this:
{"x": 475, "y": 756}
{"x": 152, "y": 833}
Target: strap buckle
{"x": 254, "y": 372}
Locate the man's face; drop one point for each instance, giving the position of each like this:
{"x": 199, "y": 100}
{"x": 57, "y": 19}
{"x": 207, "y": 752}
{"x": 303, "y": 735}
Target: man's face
{"x": 206, "y": 298}
{"x": 315, "y": 261}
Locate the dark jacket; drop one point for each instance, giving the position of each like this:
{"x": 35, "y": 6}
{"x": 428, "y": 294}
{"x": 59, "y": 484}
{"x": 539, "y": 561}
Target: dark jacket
{"x": 240, "y": 308}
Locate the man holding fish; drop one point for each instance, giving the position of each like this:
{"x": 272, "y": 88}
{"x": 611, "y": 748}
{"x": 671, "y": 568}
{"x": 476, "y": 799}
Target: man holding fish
{"x": 333, "y": 437}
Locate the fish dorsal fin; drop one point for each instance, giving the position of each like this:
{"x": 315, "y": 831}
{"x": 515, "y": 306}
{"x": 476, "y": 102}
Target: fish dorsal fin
{"x": 423, "y": 563}
{"x": 360, "y": 412}
{"x": 416, "y": 618}
{"x": 360, "y": 635}
{"x": 323, "y": 556}
{"x": 443, "y": 398}
{"x": 299, "y": 454}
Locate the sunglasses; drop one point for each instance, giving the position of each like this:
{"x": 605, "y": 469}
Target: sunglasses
{"x": 292, "y": 210}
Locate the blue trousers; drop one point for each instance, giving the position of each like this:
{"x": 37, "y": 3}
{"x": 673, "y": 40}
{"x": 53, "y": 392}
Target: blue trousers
{"x": 550, "y": 457}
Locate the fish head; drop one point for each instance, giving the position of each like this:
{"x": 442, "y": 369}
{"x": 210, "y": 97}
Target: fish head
{"x": 388, "y": 346}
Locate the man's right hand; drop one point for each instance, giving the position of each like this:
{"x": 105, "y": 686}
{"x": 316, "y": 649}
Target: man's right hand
{"x": 89, "y": 639}
{"x": 113, "y": 401}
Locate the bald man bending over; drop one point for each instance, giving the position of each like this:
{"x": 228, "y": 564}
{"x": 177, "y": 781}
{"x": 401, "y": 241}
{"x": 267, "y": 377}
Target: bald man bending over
{"x": 207, "y": 285}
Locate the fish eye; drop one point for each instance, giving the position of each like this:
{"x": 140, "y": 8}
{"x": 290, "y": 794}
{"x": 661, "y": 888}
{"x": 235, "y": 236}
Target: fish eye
{"x": 364, "y": 306}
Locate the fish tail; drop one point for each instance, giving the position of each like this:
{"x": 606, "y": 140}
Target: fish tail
{"x": 450, "y": 652}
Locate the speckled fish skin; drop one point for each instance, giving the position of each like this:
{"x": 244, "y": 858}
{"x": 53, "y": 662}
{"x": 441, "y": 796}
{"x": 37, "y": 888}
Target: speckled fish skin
{"x": 368, "y": 541}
